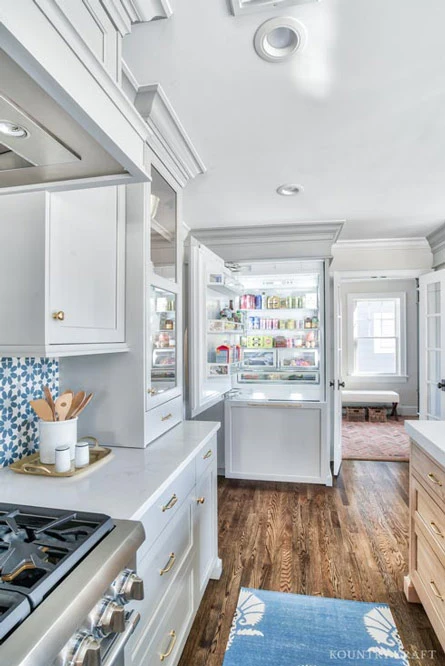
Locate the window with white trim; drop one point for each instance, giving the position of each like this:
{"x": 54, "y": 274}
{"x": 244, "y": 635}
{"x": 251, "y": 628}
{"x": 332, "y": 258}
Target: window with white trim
{"x": 377, "y": 335}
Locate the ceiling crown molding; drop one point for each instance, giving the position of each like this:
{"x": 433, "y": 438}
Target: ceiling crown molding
{"x": 169, "y": 140}
{"x": 274, "y": 241}
{"x": 383, "y": 244}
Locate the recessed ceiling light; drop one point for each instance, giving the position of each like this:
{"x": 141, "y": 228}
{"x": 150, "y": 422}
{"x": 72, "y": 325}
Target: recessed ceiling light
{"x": 279, "y": 38}
{"x": 289, "y": 190}
{"x": 12, "y": 130}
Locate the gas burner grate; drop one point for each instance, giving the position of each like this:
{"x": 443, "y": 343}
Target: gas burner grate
{"x": 40, "y": 546}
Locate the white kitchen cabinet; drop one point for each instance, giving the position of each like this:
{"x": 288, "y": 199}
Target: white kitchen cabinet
{"x": 177, "y": 560}
{"x": 66, "y": 296}
{"x": 138, "y": 396}
{"x": 276, "y": 441}
{"x": 206, "y": 535}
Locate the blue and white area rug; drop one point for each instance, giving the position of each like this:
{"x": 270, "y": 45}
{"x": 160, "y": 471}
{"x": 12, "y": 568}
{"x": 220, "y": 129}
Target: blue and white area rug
{"x": 276, "y": 629}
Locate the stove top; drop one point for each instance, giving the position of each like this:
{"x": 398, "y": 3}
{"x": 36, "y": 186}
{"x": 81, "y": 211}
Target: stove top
{"x": 39, "y": 547}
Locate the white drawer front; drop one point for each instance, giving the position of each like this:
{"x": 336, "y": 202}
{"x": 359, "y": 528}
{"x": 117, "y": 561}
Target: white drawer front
{"x": 163, "y": 418}
{"x": 163, "y": 641}
{"x": 165, "y": 508}
{"x": 162, "y": 563}
{"x": 206, "y": 456}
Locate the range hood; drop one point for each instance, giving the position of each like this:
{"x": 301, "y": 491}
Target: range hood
{"x": 41, "y": 144}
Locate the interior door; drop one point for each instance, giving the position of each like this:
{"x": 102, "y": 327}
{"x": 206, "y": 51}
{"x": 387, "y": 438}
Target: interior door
{"x": 337, "y": 382}
{"x": 432, "y": 346}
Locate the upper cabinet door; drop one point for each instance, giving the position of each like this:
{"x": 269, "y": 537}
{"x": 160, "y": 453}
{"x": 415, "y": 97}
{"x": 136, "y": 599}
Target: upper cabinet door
{"x": 432, "y": 346}
{"x": 163, "y": 228}
{"x": 86, "y": 277}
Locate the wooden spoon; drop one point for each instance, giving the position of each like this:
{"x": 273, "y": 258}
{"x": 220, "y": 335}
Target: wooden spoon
{"x": 42, "y": 409}
{"x": 63, "y": 404}
{"x": 50, "y": 401}
{"x": 77, "y": 401}
{"x": 85, "y": 402}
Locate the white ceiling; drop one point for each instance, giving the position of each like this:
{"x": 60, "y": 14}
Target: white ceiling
{"x": 358, "y": 118}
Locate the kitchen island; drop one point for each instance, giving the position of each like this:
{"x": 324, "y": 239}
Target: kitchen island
{"x": 171, "y": 488}
{"x": 426, "y": 580}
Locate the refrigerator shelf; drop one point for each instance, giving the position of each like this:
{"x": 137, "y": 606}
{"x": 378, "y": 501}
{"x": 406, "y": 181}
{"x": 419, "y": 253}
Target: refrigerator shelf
{"x": 225, "y": 289}
{"x": 222, "y": 369}
{"x": 278, "y": 377}
{"x": 278, "y": 309}
{"x": 220, "y": 326}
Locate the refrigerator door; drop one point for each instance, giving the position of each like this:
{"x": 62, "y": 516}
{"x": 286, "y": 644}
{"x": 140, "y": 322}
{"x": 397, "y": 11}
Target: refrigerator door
{"x": 211, "y": 288}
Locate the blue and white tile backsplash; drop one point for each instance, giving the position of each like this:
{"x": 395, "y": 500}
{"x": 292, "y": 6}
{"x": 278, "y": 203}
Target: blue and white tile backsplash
{"x": 21, "y": 380}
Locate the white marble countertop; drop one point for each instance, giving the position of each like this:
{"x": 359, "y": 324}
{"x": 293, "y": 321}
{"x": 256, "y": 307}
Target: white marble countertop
{"x": 430, "y": 436}
{"x": 123, "y": 488}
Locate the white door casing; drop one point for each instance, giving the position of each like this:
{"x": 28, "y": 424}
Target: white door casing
{"x": 432, "y": 346}
{"x": 337, "y": 375}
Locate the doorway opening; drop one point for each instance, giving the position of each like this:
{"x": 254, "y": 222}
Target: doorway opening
{"x": 377, "y": 361}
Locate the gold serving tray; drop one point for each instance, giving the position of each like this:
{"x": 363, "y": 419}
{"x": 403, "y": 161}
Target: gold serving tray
{"x": 32, "y": 466}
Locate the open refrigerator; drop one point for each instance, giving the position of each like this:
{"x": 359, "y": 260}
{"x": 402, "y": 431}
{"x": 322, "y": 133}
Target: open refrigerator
{"x": 257, "y": 333}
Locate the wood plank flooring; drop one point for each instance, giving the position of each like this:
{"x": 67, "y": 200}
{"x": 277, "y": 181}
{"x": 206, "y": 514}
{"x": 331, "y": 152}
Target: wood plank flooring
{"x": 349, "y": 541}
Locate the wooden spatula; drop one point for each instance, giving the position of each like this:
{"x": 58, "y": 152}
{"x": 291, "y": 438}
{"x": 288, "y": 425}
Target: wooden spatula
{"x": 63, "y": 404}
{"x": 76, "y": 403}
{"x": 50, "y": 401}
{"x": 82, "y": 406}
{"x": 42, "y": 409}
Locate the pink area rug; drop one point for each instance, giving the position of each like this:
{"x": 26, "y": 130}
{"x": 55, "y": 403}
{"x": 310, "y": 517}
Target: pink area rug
{"x": 375, "y": 441}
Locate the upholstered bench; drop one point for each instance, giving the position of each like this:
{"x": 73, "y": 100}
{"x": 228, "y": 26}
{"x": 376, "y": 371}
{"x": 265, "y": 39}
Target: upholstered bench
{"x": 366, "y": 398}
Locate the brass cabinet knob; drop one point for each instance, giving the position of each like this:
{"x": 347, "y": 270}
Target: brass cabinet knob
{"x": 59, "y": 316}
{"x": 201, "y": 500}
{"x": 152, "y": 391}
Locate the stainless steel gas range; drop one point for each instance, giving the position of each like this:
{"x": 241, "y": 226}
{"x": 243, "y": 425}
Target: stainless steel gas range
{"x": 66, "y": 579}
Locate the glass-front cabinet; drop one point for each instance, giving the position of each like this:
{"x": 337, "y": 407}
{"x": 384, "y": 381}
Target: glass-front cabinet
{"x": 163, "y": 331}
{"x": 163, "y": 345}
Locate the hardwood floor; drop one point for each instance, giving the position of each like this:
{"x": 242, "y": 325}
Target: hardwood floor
{"x": 349, "y": 541}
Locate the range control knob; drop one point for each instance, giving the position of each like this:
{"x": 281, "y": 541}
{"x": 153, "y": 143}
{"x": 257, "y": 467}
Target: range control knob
{"x": 128, "y": 587}
{"x": 112, "y": 619}
{"x": 85, "y": 651}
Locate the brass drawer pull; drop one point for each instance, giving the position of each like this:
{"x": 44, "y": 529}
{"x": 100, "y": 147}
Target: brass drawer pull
{"x": 173, "y": 637}
{"x": 435, "y": 590}
{"x": 436, "y": 530}
{"x": 201, "y": 500}
{"x": 166, "y": 417}
{"x": 170, "y": 565}
{"x": 59, "y": 316}
{"x": 208, "y": 454}
{"x": 432, "y": 477}
{"x": 170, "y": 504}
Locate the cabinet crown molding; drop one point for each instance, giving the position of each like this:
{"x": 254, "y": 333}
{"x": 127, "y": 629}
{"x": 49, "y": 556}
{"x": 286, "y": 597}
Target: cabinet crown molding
{"x": 255, "y": 6}
{"x": 272, "y": 241}
{"x": 169, "y": 140}
{"x": 436, "y": 238}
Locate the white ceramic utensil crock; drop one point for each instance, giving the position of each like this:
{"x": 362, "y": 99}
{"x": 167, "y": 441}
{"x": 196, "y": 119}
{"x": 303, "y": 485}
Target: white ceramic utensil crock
{"x": 56, "y": 433}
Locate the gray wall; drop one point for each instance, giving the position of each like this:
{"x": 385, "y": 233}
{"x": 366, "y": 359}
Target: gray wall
{"x": 408, "y": 389}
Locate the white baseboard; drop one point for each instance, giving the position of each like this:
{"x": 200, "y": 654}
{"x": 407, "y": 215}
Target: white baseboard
{"x": 408, "y": 410}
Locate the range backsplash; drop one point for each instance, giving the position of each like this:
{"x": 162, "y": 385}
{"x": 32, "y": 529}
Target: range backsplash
{"x": 21, "y": 380}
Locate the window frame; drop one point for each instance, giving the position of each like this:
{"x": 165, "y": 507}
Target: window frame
{"x": 401, "y": 352}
